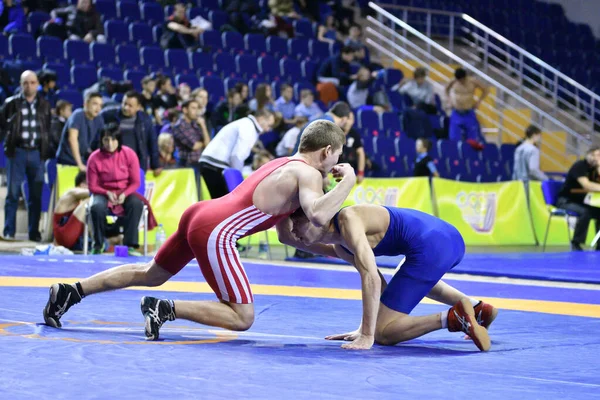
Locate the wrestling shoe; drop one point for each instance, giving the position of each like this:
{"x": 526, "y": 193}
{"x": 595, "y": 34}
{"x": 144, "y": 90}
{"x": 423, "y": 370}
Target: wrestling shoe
{"x": 485, "y": 314}
{"x": 156, "y": 313}
{"x": 461, "y": 318}
{"x": 62, "y": 297}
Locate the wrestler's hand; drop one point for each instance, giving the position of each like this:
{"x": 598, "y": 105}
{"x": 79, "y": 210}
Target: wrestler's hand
{"x": 349, "y": 337}
{"x": 362, "y": 342}
{"x": 343, "y": 171}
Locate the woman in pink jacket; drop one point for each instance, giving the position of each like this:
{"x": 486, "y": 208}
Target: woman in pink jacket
{"x": 113, "y": 173}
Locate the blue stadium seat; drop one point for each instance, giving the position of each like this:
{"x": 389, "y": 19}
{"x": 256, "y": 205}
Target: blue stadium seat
{"x": 253, "y": 83}
{"x": 448, "y": 149}
{"x": 128, "y": 56}
{"x": 392, "y": 76}
{"x": 467, "y": 152}
{"x": 152, "y": 57}
{"x": 136, "y": 78}
{"x": 290, "y": 70}
{"x": 106, "y": 8}
{"x": 128, "y": 11}
{"x": 396, "y": 100}
{"x": 117, "y": 32}
{"x": 490, "y": 153}
{"x": 218, "y": 18}
{"x": 35, "y": 20}
{"x": 209, "y": 4}
{"x": 211, "y": 40}
{"x": 156, "y": 33}
{"x": 194, "y": 12}
{"x": 214, "y": 87}
{"x": 177, "y": 58}
{"x": 190, "y": 79}
{"x": 233, "y": 41}
{"x": 103, "y": 54}
{"x": 49, "y": 48}
{"x": 309, "y": 70}
{"x": 152, "y": 13}
{"x": 4, "y": 52}
{"x": 478, "y": 172}
{"x": 507, "y": 151}
{"x": 22, "y": 45}
{"x": 230, "y": 83}
{"x": 304, "y": 28}
{"x": 319, "y": 51}
{"x": 298, "y": 48}
{"x": 202, "y": 62}
{"x": 268, "y": 67}
{"x": 83, "y": 76}
{"x": 140, "y": 33}
{"x": 390, "y": 123}
{"x": 368, "y": 119}
{"x": 74, "y": 97}
{"x": 276, "y": 46}
{"x": 224, "y": 64}
{"x": 63, "y": 75}
{"x": 406, "y": 149}
{"x": 255, "y": 43}
{"x": 116, "y": 74}
{"x": 246, "y": 65}
{"x": 77, "y": 52}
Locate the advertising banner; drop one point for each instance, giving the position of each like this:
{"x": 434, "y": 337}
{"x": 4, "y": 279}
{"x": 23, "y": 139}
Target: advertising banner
{"x": 485, "y": 213}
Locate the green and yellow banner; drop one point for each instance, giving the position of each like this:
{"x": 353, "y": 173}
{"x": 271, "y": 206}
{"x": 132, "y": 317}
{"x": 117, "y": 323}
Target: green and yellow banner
{"x": 485, "y": 213}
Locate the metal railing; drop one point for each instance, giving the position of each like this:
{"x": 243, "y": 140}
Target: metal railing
{"x": 396, "y": 40}
{"x": 560, "y": 95}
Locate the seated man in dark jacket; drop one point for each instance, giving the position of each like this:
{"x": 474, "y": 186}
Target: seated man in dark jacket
{"x": 136, "y": 130}
{"x": 336, "y": 69}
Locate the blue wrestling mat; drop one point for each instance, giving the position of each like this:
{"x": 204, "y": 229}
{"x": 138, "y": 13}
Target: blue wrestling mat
{"x": 545, "y": 341}
{"x": 583, "y": 267}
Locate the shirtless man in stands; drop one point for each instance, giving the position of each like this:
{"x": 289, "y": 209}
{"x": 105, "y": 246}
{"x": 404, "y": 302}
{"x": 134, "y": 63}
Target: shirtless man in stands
{"x": 463, "y": 121}
{"x": 208, "y": 231}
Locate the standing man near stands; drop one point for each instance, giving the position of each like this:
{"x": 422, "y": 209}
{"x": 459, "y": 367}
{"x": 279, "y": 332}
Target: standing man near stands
{"x": 461, "y": 92}
{"x": 572, "y": 196}
{"x": 230, "y": 147}
{"x": 136, "y": 128}
{"x": 82, "y": 129}
{"x": 25, "y": 130}
{"x": 527, "y": 157}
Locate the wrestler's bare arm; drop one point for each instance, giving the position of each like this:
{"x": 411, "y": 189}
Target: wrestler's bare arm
{"x": 284, "y": 228}
{"x": 320, "y": 208}
{"x": 71, "y": 199}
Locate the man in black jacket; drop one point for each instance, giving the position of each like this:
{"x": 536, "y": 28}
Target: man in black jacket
{"x": 24, "y": 128}
{"x": 136, "y": 128}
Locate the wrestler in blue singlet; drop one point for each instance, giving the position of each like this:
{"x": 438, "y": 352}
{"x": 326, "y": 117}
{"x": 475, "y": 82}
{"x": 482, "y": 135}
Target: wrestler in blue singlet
{"x": 432, "y": 247}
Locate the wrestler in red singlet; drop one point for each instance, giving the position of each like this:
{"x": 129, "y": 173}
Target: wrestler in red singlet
{"x": 67, "y": 229}
{"x": 208, "y": 231}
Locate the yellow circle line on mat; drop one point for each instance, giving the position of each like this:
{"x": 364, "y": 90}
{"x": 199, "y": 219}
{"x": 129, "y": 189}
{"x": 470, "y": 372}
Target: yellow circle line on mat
{"x": 543, "y": 306}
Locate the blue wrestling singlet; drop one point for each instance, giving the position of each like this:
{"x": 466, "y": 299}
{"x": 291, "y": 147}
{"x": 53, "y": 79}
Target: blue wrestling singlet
{"x": 432, "y": 247}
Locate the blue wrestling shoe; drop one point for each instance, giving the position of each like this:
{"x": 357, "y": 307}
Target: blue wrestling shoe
{"x": 62, "y": 297}
{"x": 156, "y": 312}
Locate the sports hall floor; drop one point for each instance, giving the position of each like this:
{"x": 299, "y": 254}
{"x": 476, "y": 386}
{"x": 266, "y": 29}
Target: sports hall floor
{"x": 545, "y": 341}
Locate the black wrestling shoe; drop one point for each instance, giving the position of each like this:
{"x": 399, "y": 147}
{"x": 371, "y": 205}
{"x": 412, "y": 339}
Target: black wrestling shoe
{"x": 156, "y": 312}
{"x": 62, "y": 297}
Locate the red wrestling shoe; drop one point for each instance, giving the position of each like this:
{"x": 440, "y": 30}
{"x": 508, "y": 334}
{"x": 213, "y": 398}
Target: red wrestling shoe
{"x": 485, "y": 314}
{"x": 461, "y": 318}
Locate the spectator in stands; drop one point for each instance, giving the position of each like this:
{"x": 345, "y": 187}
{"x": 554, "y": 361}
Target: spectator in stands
{"x": 354, "y": 38}
{"x": 573, "y": 192}
{"x": 285, "y": 104}
{"x": 190, "y": 138}
{"x": 201, "y": 97}
{"x": 463, "y": 120}
{"x": 68, "y": 220}
{"x": 230, "y": 147}
{"x": 244, "y": 91}
{"x": 359, "y": 91}
{"x": 81, "y": 131}
{"x": 285, "y": 147}
{"x": 148, "y": 88}
{"x": 166, "y": 150}
{"x": 64, "y": 109}
{"x": 263, "y": 98}
{"x": 25, "y": 130}
{"x": 260, "y": 159}
{"x": 178, "y": 33}
{"x": 353, "y": 152}
{"x": 113, "y": 179}
{"x": 419, "y": 91}
{"x": 12, "y": 17}
{"x": 307, "y": 107}
{"x": 424, "y": 165}
{"x": 47, "y": 87}
{"x": 527, "y": 157}
{"x": 172, "y": 117}
{"x": 183, "y": 93}
{"x": 136, "y": 130}
{"x": 337, "y": 69}
{"x": 83, "y": 22}
{"x": 164, "y": 98}
{"x": 328, "y": 32}
{"x": 227, "y": 110}
{"x": 283, "y": 8}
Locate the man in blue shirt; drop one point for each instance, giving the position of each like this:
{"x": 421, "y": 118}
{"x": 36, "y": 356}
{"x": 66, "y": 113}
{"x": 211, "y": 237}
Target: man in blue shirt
{"x": 285, "y": 105}
{"x": 340, "y": 114}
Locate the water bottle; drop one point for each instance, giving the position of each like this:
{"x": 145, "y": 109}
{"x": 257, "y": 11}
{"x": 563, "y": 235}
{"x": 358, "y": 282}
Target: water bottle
{"x": 263, "y": 250}
{"x": 161, "y": 236}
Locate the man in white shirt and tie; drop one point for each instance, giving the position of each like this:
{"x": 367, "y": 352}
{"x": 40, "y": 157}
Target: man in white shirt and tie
{"x": 230, "y": 147}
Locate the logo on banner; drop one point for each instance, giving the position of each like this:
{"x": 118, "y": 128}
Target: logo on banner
{"x": 378, "y": 196}
{"x": 478, "y": 209}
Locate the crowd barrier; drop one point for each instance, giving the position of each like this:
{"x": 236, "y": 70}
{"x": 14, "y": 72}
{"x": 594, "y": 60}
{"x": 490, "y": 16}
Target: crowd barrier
{"x": 484, "y": 213}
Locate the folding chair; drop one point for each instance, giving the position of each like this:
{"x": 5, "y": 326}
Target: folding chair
{"x": 550, "y": 189}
